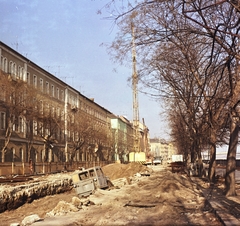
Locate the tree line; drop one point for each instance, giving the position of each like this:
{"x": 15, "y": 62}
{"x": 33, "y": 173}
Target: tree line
{"x": 187, "y": 56}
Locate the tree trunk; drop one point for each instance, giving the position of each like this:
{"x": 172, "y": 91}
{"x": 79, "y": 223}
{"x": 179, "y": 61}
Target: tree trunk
{"x": 3, "y": 154}
{"x": 8, "y": 134}
{"x": 231, "y": 161}
{"x": 212, "y": 162}
{"x": 200, "y": 164}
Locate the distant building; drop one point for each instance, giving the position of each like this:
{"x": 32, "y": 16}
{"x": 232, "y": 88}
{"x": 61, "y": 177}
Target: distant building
{"x": 160, "y": 147}
{"x": 122, "y": 138}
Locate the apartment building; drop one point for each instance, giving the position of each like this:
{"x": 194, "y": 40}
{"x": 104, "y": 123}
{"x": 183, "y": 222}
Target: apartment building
{"x": 122, "y": 138}
{"x": 160, "y": 147}
{"x": 44, "y": 119}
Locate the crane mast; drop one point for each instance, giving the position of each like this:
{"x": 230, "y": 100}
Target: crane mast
{"x": 135, "y": 95}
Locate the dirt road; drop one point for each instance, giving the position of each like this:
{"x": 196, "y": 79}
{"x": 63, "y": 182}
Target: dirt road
{"x": 163, "y": 198}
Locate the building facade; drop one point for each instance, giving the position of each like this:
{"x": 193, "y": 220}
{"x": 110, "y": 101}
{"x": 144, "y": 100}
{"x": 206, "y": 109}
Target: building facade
{"x": 43, "y": 119}
{"x": 160, "y": 147}
{"x": 122, "y": 138}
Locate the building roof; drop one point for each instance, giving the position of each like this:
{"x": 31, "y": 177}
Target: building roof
{"x": 49, "y": 74}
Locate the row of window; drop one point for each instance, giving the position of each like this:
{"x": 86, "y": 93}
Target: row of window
{"x": 19, "y": 155}
{"x": 38, "y": 129}
{"x": 18, "y": 126}
{"x": 19, "y": 72}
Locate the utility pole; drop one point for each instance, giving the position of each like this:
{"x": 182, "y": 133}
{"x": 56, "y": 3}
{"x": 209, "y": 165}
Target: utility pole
{"x": 135, "y": 95}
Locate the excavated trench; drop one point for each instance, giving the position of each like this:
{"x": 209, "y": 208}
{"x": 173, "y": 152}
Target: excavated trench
{"x": 15, "y": 192}
{"x": 14, "y": 195}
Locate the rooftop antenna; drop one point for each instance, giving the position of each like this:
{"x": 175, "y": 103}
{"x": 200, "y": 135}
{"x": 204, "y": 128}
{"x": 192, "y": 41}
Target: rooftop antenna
{"x": 16, "y": 45}
{"x": 59, "y": 69}
{"x": 48, "y": 67}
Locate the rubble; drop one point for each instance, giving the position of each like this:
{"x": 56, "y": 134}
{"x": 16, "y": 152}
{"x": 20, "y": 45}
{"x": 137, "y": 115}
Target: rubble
{"x": 162, "y": 198}
{"x": 30, "y": 219}
{"x": 62, "y": 208}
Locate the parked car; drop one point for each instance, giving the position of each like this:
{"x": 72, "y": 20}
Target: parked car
{"x": 157, "y": 160}
{"x": 87, "y": 181}
{"x": 148, "y": 162}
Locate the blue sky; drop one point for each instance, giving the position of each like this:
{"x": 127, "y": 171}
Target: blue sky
{"x": 64, "y": 37}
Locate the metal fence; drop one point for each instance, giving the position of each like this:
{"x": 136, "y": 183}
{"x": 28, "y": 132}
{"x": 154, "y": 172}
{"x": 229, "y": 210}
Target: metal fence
{"x": 25, "y": 168}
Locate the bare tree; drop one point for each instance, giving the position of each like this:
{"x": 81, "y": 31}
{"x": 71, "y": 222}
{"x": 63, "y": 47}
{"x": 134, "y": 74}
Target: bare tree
{"x": 48, "y": 124}
{"x": 88, "y": 134}
{"x": 219, "y": 20}
{"x": 216, "y": 23}
{"x": 17, "y": 99}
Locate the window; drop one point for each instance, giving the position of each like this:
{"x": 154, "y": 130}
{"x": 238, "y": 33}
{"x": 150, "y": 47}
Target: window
{"x": 2, "y": 120}
{"x": 21, "y": 125}
{"x": 41, "y": 107}
{"x": 15, "y": 124}
{"x": 76, "y": 136}
{"x": 47, "y": 110}
{"x": 13, "y": 69}
{"x": 68, "y": 135}
{"x": 21, "y": 154}
{"x": 62, "y": 135}
{"x": 4, "y": 64}
{"x": 20, "y": 99}
{"x": 52, "y": 90}
{"x": 42, "y": 154}
{"x": 20, "y": 72}
{"x": 40, "y": 129}
{"x": 35, "y": 128}
{"x": 35, "y": 81}
{"x": 52, "y": 112}
{"x": 13, "y": 154}
{"x": 57, "y": 133}
{"x": 47, "y": 131}
{"x": 73, "y": 136}
{"x": 3, "y": 93}
{"x": 28, "y": 78}
{"x": 47, "y": 87}
{"x": 41, "y": 84}
{"x": 58, "y": 96}
{"x": 58, "y": 112}
{"x": 62, "y": 95}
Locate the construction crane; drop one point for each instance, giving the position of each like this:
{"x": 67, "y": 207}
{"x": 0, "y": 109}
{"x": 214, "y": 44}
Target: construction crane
{"x": 135, "y": 95}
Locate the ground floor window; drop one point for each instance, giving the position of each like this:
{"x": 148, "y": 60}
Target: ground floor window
{"x": 2, "y": 120}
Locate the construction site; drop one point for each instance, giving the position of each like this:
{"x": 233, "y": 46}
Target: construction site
{"x": 137, "y": 195}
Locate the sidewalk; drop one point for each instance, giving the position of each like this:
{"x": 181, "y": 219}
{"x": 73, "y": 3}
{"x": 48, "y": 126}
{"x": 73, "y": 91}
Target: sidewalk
{"x": 227, "y": 209}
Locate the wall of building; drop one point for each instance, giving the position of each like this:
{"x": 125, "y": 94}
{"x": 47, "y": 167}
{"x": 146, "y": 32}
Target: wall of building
{"x": 162, "y": 148}
{"x": 61, "y": 102}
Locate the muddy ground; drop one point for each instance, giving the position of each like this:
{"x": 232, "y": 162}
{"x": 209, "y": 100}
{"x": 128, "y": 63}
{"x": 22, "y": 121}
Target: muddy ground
{"x": 163, "y": 198}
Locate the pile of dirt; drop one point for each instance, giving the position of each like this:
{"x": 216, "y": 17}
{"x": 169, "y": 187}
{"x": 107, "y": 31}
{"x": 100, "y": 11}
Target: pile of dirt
{"x": 118, "y": 170}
